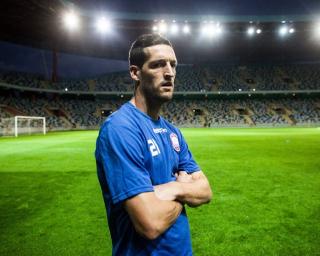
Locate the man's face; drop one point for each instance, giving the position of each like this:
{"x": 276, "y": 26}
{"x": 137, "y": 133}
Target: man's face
{"x": 158, "y": 73}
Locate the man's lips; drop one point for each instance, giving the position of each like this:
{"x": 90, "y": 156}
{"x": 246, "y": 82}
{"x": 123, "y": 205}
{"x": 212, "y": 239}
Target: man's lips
{"x": 167, "y": 84}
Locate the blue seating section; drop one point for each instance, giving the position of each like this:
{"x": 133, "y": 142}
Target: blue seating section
{"x": 192, "y": 78}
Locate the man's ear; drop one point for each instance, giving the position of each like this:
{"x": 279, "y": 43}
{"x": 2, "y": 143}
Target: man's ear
{"x": 135, "y": 72}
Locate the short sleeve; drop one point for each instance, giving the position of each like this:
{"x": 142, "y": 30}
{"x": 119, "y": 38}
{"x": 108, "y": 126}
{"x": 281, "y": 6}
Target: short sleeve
{"x": 120, "y": 152}
{"x": 186, "y": 161}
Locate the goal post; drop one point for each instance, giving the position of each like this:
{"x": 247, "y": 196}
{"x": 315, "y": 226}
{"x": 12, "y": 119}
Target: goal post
{"x": 29, "y": 124}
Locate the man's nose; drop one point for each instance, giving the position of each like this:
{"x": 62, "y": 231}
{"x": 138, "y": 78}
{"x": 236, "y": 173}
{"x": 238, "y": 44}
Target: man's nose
{"x": 169, "y": 71}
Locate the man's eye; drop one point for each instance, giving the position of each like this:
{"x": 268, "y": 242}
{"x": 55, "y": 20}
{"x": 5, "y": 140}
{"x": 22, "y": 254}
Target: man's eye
{"x": 156, "y": 65}
{"x": 163, "y": 64}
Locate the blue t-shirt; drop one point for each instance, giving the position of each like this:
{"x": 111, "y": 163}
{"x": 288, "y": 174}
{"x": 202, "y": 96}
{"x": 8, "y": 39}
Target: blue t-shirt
{"x": 134, "y": 153}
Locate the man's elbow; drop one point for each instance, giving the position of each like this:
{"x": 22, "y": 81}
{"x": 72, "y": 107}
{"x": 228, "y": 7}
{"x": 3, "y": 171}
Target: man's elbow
{"x": 152, "y": 234}
{"x": 149, "y": 231}
{"x": 207, "y": 192}
{"x": 209, "y": 195}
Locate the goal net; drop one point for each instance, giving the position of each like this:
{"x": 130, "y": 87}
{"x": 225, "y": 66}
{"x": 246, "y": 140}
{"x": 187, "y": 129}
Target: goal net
{"x": 18, "y": 125}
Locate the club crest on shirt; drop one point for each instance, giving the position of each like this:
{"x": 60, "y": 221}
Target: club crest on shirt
{"x": 175, "y": 142}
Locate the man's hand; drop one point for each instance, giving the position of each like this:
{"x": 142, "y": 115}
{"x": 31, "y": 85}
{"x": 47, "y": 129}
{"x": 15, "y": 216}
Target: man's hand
{"x": 171, "y": 190}
{"x": 195, "y": 188}
{"x": 183, "y": 176}
{"x": 192, "y": 189}
{"x": 168, "y": 191}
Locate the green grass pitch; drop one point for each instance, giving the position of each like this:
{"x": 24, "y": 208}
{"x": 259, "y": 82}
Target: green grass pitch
{"x": 266, "y": 185}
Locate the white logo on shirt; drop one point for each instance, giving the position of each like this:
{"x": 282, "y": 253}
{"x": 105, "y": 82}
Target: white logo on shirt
{"x": 159, "y": 130}
{"x": 154, "y": 149}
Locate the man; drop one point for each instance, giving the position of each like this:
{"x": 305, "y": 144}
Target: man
{"x": 145, "y": 168}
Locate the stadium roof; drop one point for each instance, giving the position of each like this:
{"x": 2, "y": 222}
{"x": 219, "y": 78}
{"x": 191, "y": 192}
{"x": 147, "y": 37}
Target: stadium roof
{"x": 38, "y": 24}
{"x": 204, "y": 7}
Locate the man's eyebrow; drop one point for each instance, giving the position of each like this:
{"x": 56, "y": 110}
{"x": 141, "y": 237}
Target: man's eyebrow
{"x": 164, "y": 59}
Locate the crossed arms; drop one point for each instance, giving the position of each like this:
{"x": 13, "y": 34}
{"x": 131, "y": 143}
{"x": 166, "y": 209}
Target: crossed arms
{"x": 152, "y": 213}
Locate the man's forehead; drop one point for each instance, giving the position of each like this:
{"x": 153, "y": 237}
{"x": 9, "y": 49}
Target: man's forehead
{"x": 160, "y": 51}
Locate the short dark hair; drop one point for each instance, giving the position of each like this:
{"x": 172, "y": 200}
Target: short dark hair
{"x": 137, "y": 56}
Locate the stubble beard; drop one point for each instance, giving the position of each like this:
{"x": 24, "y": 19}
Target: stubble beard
{"x": 157, "y": 97}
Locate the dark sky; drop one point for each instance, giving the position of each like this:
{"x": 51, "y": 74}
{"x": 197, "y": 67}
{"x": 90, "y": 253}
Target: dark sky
{"x": 220, "y": 7}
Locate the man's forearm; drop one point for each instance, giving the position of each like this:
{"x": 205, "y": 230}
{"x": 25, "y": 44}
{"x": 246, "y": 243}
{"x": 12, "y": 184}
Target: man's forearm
{"x": 152, "y": 216}
{"x": 195, "y": 193}
{"x": 193, "y": 189}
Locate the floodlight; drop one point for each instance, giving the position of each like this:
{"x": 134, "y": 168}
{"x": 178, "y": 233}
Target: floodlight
{"x": 216, "y": 31}
{"x": 71, "y": 20}
{"x": 250, "y": 31}
{"x": 291, "y": 30}
{"x": 205, "y": 29}
{"x": 283, "y": 30}
{"x": 163, "y": 27}
{"x": 103, "y": 25}
{"x": 174, "y": 29}
{"x": 259, "y": 31}
{"x": 186, "y": 29}
{"x": 154, "y": 28}
{"x": 211, "y": 30}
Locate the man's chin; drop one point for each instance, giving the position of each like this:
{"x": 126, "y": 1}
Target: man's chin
{"x": 166, "y": 97}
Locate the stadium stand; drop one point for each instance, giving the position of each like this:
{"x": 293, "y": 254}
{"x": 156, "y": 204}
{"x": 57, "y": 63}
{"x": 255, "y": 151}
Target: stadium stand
{"x": 65, "y": 113}
{"x": 207, "y": 78}
{"x": 74, "y": 112}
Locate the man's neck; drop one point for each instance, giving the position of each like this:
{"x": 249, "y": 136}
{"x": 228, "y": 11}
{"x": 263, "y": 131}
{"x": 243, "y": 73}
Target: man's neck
{"x": 151, "y": 109}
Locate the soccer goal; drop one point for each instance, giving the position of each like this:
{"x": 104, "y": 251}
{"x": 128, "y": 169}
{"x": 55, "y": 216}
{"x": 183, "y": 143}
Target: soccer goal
{"x": 23, "y": 125}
